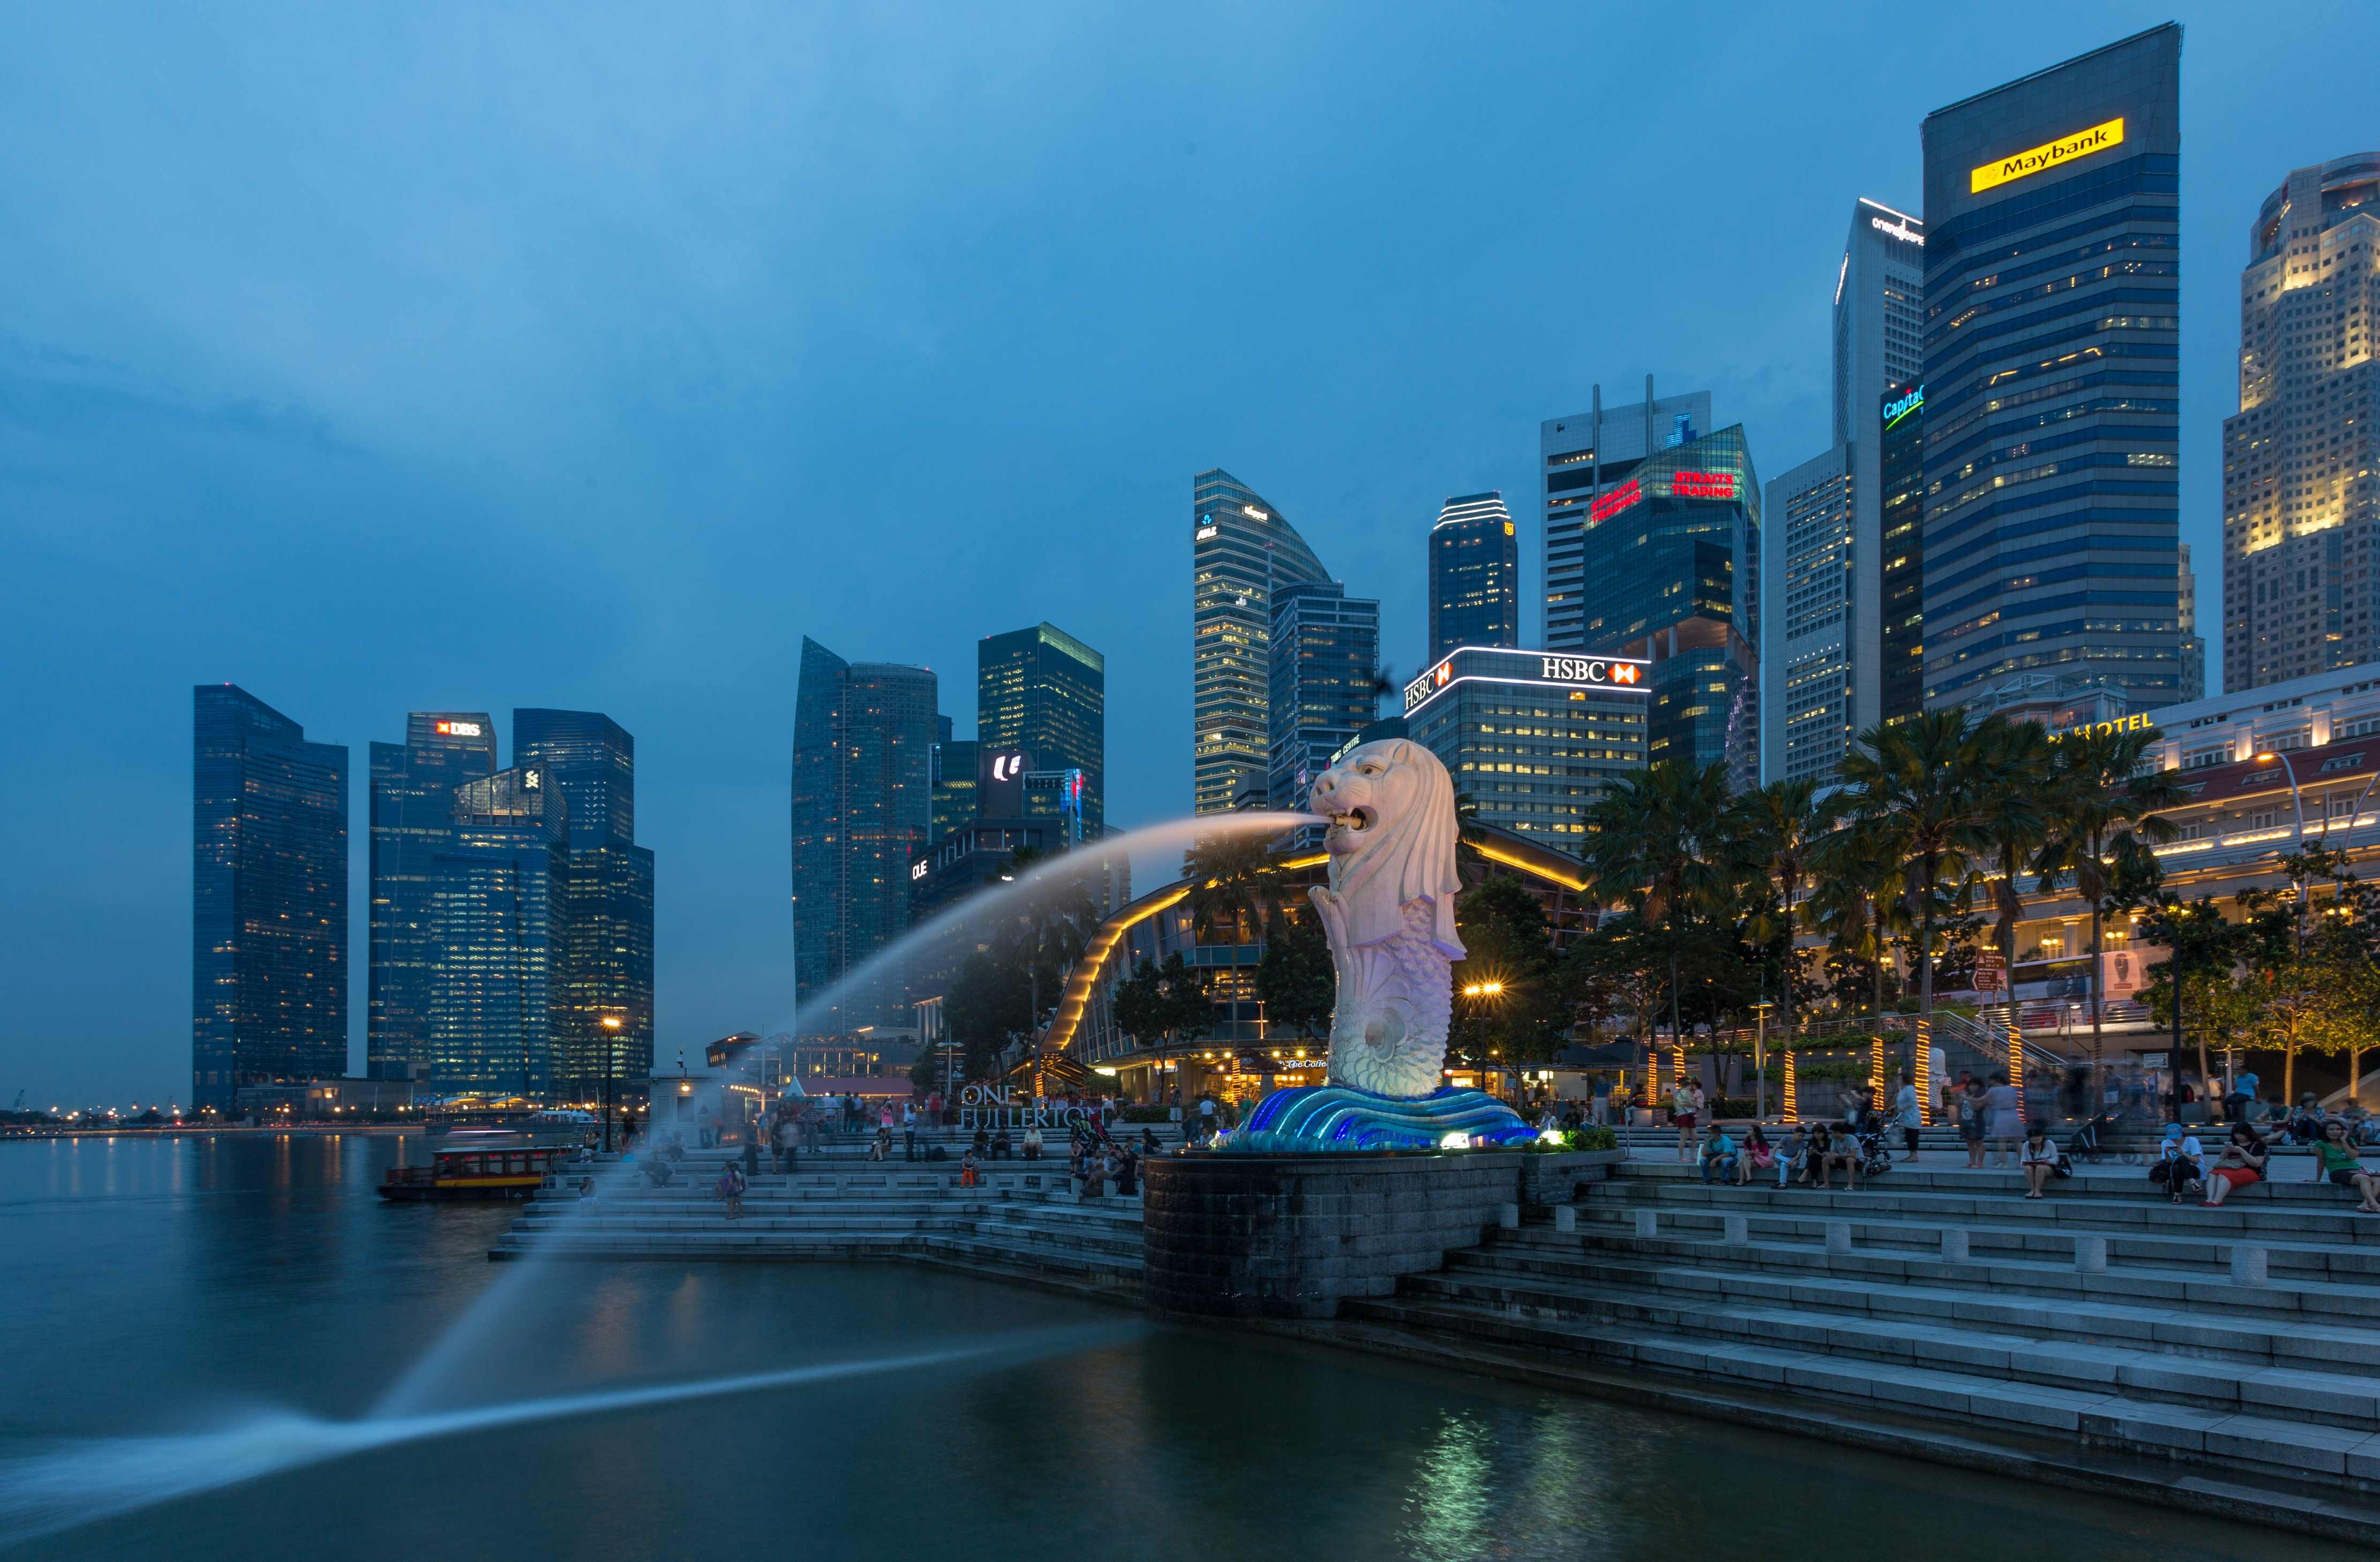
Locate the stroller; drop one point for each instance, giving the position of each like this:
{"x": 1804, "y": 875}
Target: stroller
{"x": 2091, "y": 1143}
{"x": 1874, "y": 1159}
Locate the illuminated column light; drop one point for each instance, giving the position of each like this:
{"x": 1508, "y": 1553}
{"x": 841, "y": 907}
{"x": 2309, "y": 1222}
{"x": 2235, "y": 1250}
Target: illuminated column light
{"x": 1876, "y": 1068}
{"x": 2015, "y": 1043}
{"x": 1925, "y": 1070}
{"x": 1792, "y": 1101}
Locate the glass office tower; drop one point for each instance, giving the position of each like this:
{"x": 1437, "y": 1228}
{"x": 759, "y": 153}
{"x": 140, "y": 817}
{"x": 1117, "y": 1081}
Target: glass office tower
{"x": 2301, "y": 459}
{"x": 607, "y": 968}
{"x": 1325, "y": 653}
{"x": 1042, "y": 690}
{"x": 1475, "y": 574}
{"x": 1532, "y": 738}
{"x": 2053, "y": 309}
{"x": 267, "y": 899}
{"x": 862, "y": 806}
{"x": 499, "y": 939}
{"x": 1579, "y": 457}
{"x": 412, "y": 820}
{"x": 1900, "y": 444}
{"x": 1671, "y": 577}
{"x": 1241, "y": 551}
{"x": 1818, "y": 687}
{"x": 954, "y": 795}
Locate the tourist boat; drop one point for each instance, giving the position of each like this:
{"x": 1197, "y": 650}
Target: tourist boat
{"x": 481, "y": 1170}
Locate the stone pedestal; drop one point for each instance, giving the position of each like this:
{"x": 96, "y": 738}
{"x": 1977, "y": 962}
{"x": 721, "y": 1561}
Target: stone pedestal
{"x": 1289, "y": 1236}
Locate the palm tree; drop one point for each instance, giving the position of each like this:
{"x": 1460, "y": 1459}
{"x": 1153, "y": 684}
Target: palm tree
{"x": 2017, "y": 762}
{"x": 1781, "y": 825}
{"x": 1661, "y": 842}
{"x": 2102, "y": 823}
{"x": 1234, "y": 883}
{"x": 1919, "y": 784}
{"x": 1855, "y": 900}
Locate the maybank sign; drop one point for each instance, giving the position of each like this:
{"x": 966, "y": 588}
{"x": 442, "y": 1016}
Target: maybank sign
{"x": 2049, "y": 154}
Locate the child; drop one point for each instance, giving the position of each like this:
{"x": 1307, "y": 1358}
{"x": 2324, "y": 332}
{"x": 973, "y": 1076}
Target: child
{"x": 967, "y": 1178}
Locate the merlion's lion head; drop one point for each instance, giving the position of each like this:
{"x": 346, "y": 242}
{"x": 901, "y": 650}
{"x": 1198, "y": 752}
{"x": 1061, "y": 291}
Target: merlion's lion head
{"x": 1391, "y": 838}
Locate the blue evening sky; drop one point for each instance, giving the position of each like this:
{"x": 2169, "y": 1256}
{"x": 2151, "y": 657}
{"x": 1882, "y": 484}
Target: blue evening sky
{"x": 379, "y": 357}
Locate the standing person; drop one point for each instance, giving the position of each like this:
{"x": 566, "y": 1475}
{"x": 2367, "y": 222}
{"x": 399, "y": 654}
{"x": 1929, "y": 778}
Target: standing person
{"x": 2242, "y": 1096}
{"x": 2040, "y": 1158}
{"x": 2241, "y": 1162}
{"x": 909, "y": 1130}
{"x": 2003, "y": 1115}
{"x": 789, "y": 1142}
{"x": 1682, "y": 1114}
{"x": 730, "y": 1189}
{"x": 1205, "y": 1115}
{"x": 751, "y": 1154}
{"x": 1969, "y": 1106}
{"x": 2335, "y": 1159}
{"x": 1910, "y": 1118}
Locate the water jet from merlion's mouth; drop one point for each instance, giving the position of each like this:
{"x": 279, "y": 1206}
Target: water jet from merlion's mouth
{"x": 85, "y": 1480}
{"x": 422, "y": 1387}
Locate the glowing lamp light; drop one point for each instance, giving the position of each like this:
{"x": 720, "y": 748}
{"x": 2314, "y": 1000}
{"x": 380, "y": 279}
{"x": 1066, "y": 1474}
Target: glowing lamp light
{"x": 1549, "y": 1136}
{"x": 1103, "y": 1069}
{"x": 1458, "y": 1140}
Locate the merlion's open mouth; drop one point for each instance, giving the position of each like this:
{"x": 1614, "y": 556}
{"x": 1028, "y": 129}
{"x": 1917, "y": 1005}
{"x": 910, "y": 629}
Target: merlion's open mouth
{"x": 1355, "y": 820}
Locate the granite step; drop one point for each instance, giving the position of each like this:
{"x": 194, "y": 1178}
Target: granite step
{"x": 2337, "y": 1395}
{"x": 2297, "y": 1258}
{"x": 2282, "y": 1445}
{"x": 2268, "y": 1339}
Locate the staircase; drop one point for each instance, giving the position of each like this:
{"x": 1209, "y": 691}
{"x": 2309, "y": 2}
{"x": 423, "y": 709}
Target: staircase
{"x": 1021, "y": 1224}
{"x": 2238, "y": 1342}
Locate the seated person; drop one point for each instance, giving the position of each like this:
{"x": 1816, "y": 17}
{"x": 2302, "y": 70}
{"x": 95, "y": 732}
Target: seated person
{"x": 1758, "y": 1158}
{"x": 2240, "y": 1162}
{"x": 2039, "y": 1157}
{"x": 1792, "y": 1158}
{"x": 1718, "y": 1156}
{"x": 2335, "y": 1159}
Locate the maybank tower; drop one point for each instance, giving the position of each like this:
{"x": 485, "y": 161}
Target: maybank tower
{"x": 2053, "y": 303}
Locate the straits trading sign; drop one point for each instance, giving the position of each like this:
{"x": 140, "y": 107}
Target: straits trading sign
{"x": 1494, "y": 665}
{"x": 2048, "y": 154}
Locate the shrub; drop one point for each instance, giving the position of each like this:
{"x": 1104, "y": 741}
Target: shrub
{"x": 1146, "y": 1114}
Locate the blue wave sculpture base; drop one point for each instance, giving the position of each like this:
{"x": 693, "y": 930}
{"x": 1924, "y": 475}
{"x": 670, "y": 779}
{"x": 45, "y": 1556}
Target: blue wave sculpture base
{"x": 1306, "y": 1119}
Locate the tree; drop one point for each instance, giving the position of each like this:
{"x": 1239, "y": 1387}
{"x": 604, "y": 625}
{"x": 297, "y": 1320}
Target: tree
{"x": 1919, "y": 786}
{"x": 2016, "y": 762}
{"x": 1166, "y": 1002}
{"x": 1509, "y": 949}
{"x": 2198, "y": 971}
{"x": 1782, "y": 824}
{"x": 2102, "y": 824}
{"x": 1661, "y": 843}
{"x": 990, "y": 1003}
{"x": 1856, "y": 903}
{"x": 1234, "y": 885}
{"x": 1296, "y": 978}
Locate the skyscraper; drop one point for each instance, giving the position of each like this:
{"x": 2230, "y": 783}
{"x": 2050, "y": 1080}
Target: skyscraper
{"x": 1668, "y": 573}
{"x": 1475, "y": 574}
{"x": 1043, "y": 691}
{"x": 499, "y": 938}
{"x": 267, "y": 899}
{"x": 862, "y": 806}
{"x": 2301, "y": 461}
{"x": 1531, "y": 739}
{"x": 1901, "y": 469}
{"x": 412, "y": 819}
{"x": 2193, "y": 644}
{"x": 593, "y": 759}
{"x": 1816, "y": 700}
{"x": 1827, "y": 561}
{"x": 1879, "y": 314}
{"x": 2052, "y": 428}
{"x": 1325, "y": 653}
{"x": 606, "y": 967}
{"x": 1241, "y": 551}
{"x": 1581, "y": 455}
{"x": 955, "y": 782}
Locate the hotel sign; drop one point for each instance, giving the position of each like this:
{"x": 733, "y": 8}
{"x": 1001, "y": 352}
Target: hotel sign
{"x": 2049, "y": 154}
{"x": 2140, "y": 722}
{"x": 1487, "y": 665}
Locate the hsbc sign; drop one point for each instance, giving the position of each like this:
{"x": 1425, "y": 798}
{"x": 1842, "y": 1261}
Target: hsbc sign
{"x": 1497, "y": 665}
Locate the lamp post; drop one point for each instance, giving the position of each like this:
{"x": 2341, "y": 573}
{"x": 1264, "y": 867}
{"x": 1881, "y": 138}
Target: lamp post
{"x": 611, "y": 1023}
{"x": 1487, "y": 991}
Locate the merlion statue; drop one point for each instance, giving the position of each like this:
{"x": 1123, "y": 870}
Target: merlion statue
{"x": 1389, "y": 913}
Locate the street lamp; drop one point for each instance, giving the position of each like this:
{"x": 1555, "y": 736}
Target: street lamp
{"x": 610, "y": 1060}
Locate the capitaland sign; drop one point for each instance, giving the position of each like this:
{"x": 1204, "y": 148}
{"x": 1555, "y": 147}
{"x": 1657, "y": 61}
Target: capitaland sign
{"x": 1901, "y": 406}
{"x": 2048, "y": 155}
{"x": 1494, "y": 665}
